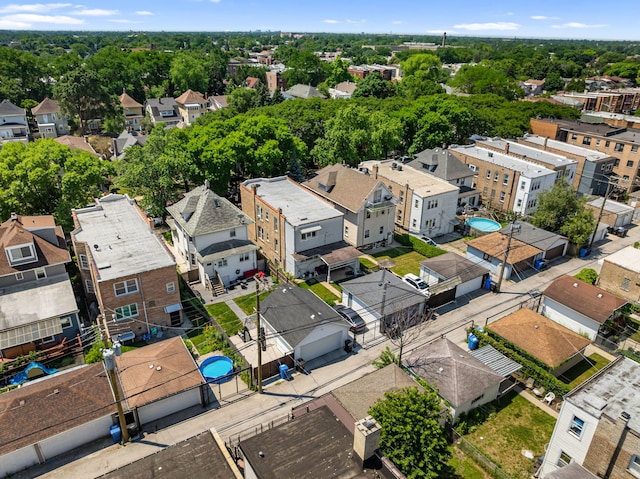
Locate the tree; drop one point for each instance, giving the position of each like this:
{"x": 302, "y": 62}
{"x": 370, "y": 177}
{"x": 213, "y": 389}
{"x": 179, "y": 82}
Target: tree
{"x": 553, "y": 82}
{"x": 588, "y": 275}
{"x": 374, "y": 86}
{"x": 243, "y": 99}
{"x": 403, "y": 328}
{"x": 337, "y": 72}
{"x": 425, "y": 65}
{"x": 579, "y": 228}
{"x": 411, "y": 434}
{"x": 556, "y": 206}
{"x": 386, "y": 357}
{"x": 482, "y": 79}
{"x": 188, "y": 72}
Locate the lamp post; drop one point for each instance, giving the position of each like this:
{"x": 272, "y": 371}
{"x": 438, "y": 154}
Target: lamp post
{"x": 109, "y": 355}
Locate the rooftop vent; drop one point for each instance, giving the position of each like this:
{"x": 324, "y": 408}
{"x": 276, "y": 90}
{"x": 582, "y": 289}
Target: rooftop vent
{"x": 575, "y": 285}
{"x": 599, "y": 295}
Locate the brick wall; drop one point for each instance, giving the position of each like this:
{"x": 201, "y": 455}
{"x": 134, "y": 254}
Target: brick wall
{"x": 611, "y": 449}
{"x": 612, "y": 277}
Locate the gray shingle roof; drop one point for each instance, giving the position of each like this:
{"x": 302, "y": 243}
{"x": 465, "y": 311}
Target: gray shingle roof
{"x": 8, "y": 108}
{"x": 201, "y": 211}
{"x": 450, "y": 265}
{"x": 225, "y": 248}
{"x": 531, "y": 235}
{"x": 442, "y": 164}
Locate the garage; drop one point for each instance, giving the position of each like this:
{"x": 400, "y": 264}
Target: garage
{"x": 324, "y": 345}
{"x": 554, "y": 252}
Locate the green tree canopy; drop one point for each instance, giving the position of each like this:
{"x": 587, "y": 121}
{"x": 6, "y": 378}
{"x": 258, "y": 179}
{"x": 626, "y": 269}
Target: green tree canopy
{"x": 482, "y": 79}
{"x": 188, "y": 72}
{"x": 373, "y": 85}
{"x": 556, "y": 206}
{"x": 411, "y": 434}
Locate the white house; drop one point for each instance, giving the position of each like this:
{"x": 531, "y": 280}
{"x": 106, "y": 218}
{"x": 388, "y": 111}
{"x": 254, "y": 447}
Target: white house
{"x": 13, "y": 123}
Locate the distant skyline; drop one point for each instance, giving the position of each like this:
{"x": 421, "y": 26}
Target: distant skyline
{"x": 492, "y": 18}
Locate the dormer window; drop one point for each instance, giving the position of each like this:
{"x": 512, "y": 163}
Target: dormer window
{"x": 21, "y": 254}
{"x": 377, "y": 196}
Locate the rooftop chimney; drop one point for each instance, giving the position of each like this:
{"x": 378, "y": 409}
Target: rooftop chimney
{"x": 506, "y": 147}
{"x": 14, "y": 216}
{"x": 366, "y": 438}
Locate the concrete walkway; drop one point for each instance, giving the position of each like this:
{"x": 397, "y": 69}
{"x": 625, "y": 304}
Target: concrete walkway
{"x": 536, "y": 401}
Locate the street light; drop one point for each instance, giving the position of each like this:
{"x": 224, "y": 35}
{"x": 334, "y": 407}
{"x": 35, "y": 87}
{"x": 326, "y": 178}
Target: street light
{"x": 109, "y": 354}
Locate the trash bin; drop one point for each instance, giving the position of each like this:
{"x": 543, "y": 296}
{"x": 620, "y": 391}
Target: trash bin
{"x": 284, "y": 371}
{"x": 348, "y": 345}
{"x": 116, "y": 433}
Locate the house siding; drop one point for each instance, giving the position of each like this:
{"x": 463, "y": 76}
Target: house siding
{"x": 569, "y": 318}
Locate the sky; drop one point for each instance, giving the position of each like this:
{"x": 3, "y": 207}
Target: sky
{"x": 586, "y": 19}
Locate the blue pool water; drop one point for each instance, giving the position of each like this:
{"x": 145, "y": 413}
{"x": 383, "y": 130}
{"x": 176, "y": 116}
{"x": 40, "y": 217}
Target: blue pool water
{"x": 483, "y": 224}
{"x": 216, "y": 369}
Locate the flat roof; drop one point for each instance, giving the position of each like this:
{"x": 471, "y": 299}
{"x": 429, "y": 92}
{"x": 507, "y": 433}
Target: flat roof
{"x": 526, "y": 168}
{"x": 608, "y": 132}
{"x": 298, "y": 204}
{"x": 628, "y": 258}
{"x": 611, "y": 391}
{"x": 422, "y": 183}
{"x": 125, "y": 243}
{"x": 611, "y": 206}
{"x": 529, "y": 152}
{"x": 588, "y": 154}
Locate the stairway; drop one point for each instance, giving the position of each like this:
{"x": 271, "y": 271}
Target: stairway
{"x": 217, "y": 286}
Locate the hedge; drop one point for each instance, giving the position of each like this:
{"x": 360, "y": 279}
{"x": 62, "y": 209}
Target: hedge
{"x": 418, "y": 245}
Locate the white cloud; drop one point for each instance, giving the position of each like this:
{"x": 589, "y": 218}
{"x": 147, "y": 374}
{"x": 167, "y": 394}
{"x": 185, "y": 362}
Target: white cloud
{"x": 488, "y": 26}
{"x": 357, "y": 22}
{"x": 97, "y": 12}
{"x": 330, "y": 21}
{"x": 397, "y": 22}
{"x": 216, "y": 1}
{"x": 144, "y": 12}
{"x": 543, "y": 17}
{"x": 578, "y": 25}
{"x": 31, "y": 18}
{"x": 12, "y": 25}
{"x": 33, "y": 7}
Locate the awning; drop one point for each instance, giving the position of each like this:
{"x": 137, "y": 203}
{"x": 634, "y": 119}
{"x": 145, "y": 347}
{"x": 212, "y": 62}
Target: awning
{"x": 311, "y": 229}
{"x": 172, "y": 308}
{"x": 495, "y": 360}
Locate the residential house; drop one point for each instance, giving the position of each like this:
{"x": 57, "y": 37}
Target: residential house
{"x": 362, "y": 71}
{"x": 620, "y": 143}
{"x": 426, "y": 204}
{"x": 191, "y": 106}
{"x": 13, "y": 123}
{"x": 552, "y": 245}
{"x": 542, "y": 338}
{"x": 133, "y": 112}
{"x": 296, "y": 230}
{"x": 532, "y": 87}
{"x": 211, "y": 234}
{"x": 302, "y": 324}
{"x": 218, "y": 102}
{"x": 440, "y": 163}
{"x": 614, "y": 214}
{"x": 302, "y": 91}
{"x": 275, "y": 80}
{"x": 594, "y": 167}
{"x": 125, "y": 140}
{"x": 76, "y": 143}
{"x": 251, "y": 82}
{"x": 506, "y": 183}
{"x": 598, "y": 426}
{"x": 451, "y": 276}
{"x": 343, "y": 90}
{"x": 613, "y": 119}
{"x": 163, "y": 110}
{"x": 579, "y": 306}
{"x": 367, "y": 204}
{"x": 490, "y": 251}
{"x": 384, "y": 295}
{"x": 38, "y": 307}
{"x": 51, "y": 122}
{"x": 461, "y": 380}
{"x": 620, "y": 273}
{"x": 127, "y": 272}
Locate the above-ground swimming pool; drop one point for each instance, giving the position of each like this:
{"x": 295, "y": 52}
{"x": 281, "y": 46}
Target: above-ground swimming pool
{"x": 217, "y": 369}
{"x": 483, "y": 225}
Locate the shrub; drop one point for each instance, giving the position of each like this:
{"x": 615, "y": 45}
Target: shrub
{"x": 587, "y": 275}
{"x": 94, "y": 355}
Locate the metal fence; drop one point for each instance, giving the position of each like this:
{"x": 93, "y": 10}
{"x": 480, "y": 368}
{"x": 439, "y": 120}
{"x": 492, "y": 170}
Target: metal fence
{"x": 478, "y": 456}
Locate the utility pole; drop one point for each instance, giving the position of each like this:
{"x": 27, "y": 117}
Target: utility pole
{"x": 512, "y": 230}
{"x": 110, "y": 365}
{"x": 384, "y": 264}
{"x": 261, "y": 334}
{"x": 600, "y": 214}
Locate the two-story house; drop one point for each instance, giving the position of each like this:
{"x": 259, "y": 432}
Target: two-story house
{"x": 191, "y": 106}
{"x": 132, "y": 111}
{"x": 426, "y": 204}
{"x": 125, "y": 268}
{"x": 367, "y": 204}
{"x": 295, "y": 229}
{"x": 163, "y": 110}
{"x": 51, "y": 122}
{"x": 13, "y": 123}
{"x": 211, "y": 234}
{"x": 37, "y": 304}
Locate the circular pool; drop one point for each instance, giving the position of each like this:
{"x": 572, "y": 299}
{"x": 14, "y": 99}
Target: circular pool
{"x": 483, "y": 225}
{"x": 217, "y": 369}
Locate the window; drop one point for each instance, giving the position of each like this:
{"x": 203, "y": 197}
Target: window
{"x": 630, "y": 164}
{"x": 414, "y": 223}
{"x": 232, "y": 233}
{"x": 502, "y": 195}
{"x": 260, "y": 232}
{"x": 626, "y": 282}
{"x": 41, "y": 273}
{"x": 505, "y": 179}
{"x": 346, "y": 231}
{"x": 266, "y": 215}
{"x": 128, "y": 311}
{"x": 382, "y": 230}
{"x": 574, "y": 136}
{"x": 634, "y": 465}
{"x": 377, "y": 196}
{"x": 523, "y": 184}
{"x": 634, "y": 148}
{"x": 485, "y": 191}
{"x": 244, "y": 257}
{"x": 368, "y": 214}
{"x": 619, "y": 147}
{"x": 311, "y": 234}
{"x": 267, "y": 238}
{"x": 275, "y": 224}
{"x": 415, "y": 204}
{"x": 171, "y": 287}
{"x": 126, "y": 287}
{"x": 488, "y": 174}
{"x": 88, "y": 285}
{"x": 19, "y": 276}
{"x": 84, "y": 261}
{"x": 50, "y": 339}
{"x": 576, "y": 427}
{"x": 564, "y": 459}
{"x": 477, "y": 399}
{"x": 366, "y": 233}
{"x": 473, "y": 167}
{"x": 493, "y": 193}
{"x": 519, "y": 203}
{"x": 496, "y": 176}
{"x": 21, "y": 254}
{"x": 275, "y": 243}
{"x": 222, "y": 263}
{"x": 597, "y": 142}
{"x": 401, "y": 193}
{"x": 586, "y": 140}
{"x": 65, "y": 322}
{"x": 486, "y": 257}
{"x": 259, "y": 212}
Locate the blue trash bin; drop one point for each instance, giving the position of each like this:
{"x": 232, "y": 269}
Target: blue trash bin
{"x": 116, "y": 433}
{"x": 284, "y": 371}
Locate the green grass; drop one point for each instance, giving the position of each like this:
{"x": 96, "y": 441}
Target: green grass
{"x": 247, "y": 303}
{"x": 225, "y": 317}
{"x": 517, "y": 425}
{"x": 406, "y": 260}
{"x": 584, "y": 370}
{"x": 366, "y": 264}
{"x": 321, "y": 291}
{"x": 463, "y": 467}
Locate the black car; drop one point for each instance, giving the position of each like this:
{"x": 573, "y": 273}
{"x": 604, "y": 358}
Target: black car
{"x": 357, "y": 323}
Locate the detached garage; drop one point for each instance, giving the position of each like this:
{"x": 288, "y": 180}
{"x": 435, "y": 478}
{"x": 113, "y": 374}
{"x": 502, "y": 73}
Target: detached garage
{"x": 450, "y": 276}
{"x": 302, "y": 324}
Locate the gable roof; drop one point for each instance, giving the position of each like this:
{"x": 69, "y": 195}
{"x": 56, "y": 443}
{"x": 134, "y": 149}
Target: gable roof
{"x": 295, "y": 312}
{"x": 304, "y": 91}
{"x": 368, "y": 289}
{"x": 156, "y": 105}
{"x": 8, "y": 108}
{"x": 252, "y": 82}
{"x": 535, "y": 236}
{"x": 202, "y": 211}
{"x": 53, "y": 405}
{"x": 346, "y": 87}
{"x": 173, "y": 371}
{"x": 190, "y": 96}
{"x": 45, "y": 107}
{"x": 584, "y": 298}
{"x": 458, "y": 376}
{"x": 342, "y": 185}
{"x": 441, "y": 163}
{"x": 450, "y": 265}
{"x": 127, "y": 102}
{"x": 76, "y": 142}
{"x": 495, "y": 244}
{"x": 541, "y": 337}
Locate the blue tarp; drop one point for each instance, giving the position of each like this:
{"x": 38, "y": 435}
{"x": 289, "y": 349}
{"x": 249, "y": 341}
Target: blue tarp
{"x": 24, "y": 375}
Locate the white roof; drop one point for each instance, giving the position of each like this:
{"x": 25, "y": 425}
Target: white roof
{"x": 121, "y": 241}
{"x": 588, "y": 154}
{"x": 530, "y": 152}
{"x": 611, "y": 206}
{"x": 422, "y": 183}
{"x": 628, "y": 258}
{"x": 526, "y": 168}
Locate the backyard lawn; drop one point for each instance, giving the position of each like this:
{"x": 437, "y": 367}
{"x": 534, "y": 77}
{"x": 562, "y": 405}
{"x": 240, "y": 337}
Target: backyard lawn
{"x": 584, "y": 370}
{"x": 463, "y": 467}
{"x": 406, "y": 260}
{"x": 225, "y": 317}
{"x": 320, "y": 290}
{"x": 247, "y": 302}
{"x": 517, "y": 426}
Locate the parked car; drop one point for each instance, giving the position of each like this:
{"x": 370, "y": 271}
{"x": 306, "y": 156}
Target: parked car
{"x": 428, "y": 240}
{"x": 618, "y": 231}
{"x": 354, "y": 319}
{"x": 417, "y": 282}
